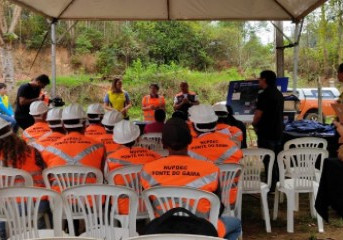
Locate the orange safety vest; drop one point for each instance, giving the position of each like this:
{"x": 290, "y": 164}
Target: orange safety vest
{"x": 232, "y": 131}
{"x": 183, "y": 171}
{"x": 95, "y": 130}
{"x": 216, "y": 147}
{"x": 157, "y": 102}
{"x": 125, "y": 156}
{"x": 36, "y": 131}
{"x": 46, "y": 140}
{"x": 29, "y": 165}
{"x": 107, "y": 140}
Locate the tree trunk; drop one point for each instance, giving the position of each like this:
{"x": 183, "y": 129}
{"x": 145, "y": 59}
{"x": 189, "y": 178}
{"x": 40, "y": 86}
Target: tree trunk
{"x": 7, "y": 66}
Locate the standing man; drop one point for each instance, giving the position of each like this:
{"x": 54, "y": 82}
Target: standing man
{"x": 185, "y": 99}
{"x": 28, "y": 93}
{"x": 268, "y": 118}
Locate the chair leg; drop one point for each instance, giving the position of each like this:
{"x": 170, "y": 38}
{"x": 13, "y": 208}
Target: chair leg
{"x": 266, "y": 210}
{"x": 262, "y": 207}
{"x": 276, "y": 203}
{"x": 281, "y": 197}
{"x": 47, "y": 221}
{"x": 290, "y": 211}
{"x": 312, "y": 209}
{"x": 296, "y": 203}
{"x": 320, "y": 224}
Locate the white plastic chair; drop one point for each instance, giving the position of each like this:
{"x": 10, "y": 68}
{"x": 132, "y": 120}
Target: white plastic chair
{"x": 68, "y": 176}
{"x": 171, "y": 197}
{"x": 21, "y": 208}
{"x": 253, "y": 164}
{"x": 173, "y": 237}
{"x": 131, "y": 179}
{"x": 98, "y": 205}
{"x": 306, "y": 142}
{"x": 152, "y": 141}
{"x": 303, "y": 176}
{"x": 231, "y": 178}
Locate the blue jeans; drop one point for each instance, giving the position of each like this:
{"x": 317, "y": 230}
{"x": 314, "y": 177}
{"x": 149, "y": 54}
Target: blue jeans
{"x": 233, "y": 227}
{"x": 10, "y": 120}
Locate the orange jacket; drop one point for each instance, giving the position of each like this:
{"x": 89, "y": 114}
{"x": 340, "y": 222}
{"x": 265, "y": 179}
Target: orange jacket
{"x": 183, "y": 171}
{"x": 126, "y": 156}
{"x": 157, "y": 102}
{"x": 46, "y": 140}
{"x": 95, "y": 130}
{"x": 232, "y": 131}
{"x": 29, "y": 165}
{"x": 74, "y": 149}
{"x": 216, "y": 147}
{"x": 36, "y": 131}
{"x": 107, "y": 140}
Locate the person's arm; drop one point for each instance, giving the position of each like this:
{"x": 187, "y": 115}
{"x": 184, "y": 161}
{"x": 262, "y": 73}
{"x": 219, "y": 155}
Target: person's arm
{"x": 145, "y": 106}
{"x": 26, "y": 101}
{"x": 196, "y": 101}
{"x": 177, "y": 105}
{"x": 5, "y": 110}
{"x": 107, "y": 104}
{"x": 257, "y": 117}
{"x": 128, "y": 104}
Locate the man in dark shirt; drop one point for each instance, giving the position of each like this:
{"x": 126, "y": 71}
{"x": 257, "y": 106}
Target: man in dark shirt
{"x": 28, "y": 93}
{"x": 185, "y": 99}
{"x": 268, "y": 118}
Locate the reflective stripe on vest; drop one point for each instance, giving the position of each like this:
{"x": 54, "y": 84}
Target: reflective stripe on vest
{"x": 225, "y": 131}
{"x": 46, "y": 134}
{"x": 38, "y": 146}
{"x": 227, "y": 154}
{"x": 73, "y": 160}
{"x": 203, "y": 181}
{"x": 237, "y": 134}
{"x": 121, "y": 162}
{"x": 27, "y": 135}
{"x": 147, "y": 177}
{"x": 196, "y": 155}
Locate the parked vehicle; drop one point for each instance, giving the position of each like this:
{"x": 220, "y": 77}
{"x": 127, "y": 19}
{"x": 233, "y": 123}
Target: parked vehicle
{"x": 308, "y": 97}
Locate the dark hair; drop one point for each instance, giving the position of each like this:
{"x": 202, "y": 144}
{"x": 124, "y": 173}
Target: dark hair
{"x": 130, "y": 144}
{"x": 176, "y": 134}
{"x": 160, "y": 115}
{"x": 2, "y": 85}
{"x": 114, "y": 83}
{"x": 270, "y": 77}
{"x": 44, "y": 79}
{"x": 340, "y": 68}
{"x": 206, "y": 125}
{"x": 91, "y": 118}
{"x": 154, "y": 85}
{"x": 71, "y": 122}
{"x": 180, "y": 114}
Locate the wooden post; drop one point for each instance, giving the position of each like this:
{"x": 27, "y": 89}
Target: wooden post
{"x": 280, "y": 71}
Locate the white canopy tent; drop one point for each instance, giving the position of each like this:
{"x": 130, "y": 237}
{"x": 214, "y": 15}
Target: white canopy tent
{"x": 293, "y": 10}
{"x": 245, "y": 10}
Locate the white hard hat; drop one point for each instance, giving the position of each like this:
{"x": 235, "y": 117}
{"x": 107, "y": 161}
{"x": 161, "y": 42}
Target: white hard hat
{"x": 111, "y": 118}
{"x": 54, "y": 114}
{"x": 202, "y": 114}
{"x": 219, "y": 107}
{"x": 125, "y": 132}
{"x": 74, "y": 112}
{"x": 96, "y": 108}
{"x": 4, "y": 124}
{"x": 38, "y": 108}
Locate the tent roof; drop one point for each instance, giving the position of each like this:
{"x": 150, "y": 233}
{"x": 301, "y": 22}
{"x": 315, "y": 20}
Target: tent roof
{"x": 293, "y": 10}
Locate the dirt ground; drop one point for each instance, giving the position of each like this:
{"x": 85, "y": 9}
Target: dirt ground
{"x": 305, "y": 227}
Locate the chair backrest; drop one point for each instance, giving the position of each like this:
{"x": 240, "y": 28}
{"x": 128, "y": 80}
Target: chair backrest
{"x": 64, "y": 177}
{"x": 21, "y": 207}
{"x": 253, "y": 164}
{"x": 99, "y": 208}
{"x": 129, "y": 176}
{"x": 10, "y": 177}
{"x": 230, "y": 179}
{"x": 306, "y": 142}
{"x": 173, "y": 237}
{"x": 166, "y": 198}
{"x": 300, "y": 163}
{"x": 152, "y": 141}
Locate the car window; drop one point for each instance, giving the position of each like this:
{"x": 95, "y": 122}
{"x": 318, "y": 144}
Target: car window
{"x": 326, "y": 94}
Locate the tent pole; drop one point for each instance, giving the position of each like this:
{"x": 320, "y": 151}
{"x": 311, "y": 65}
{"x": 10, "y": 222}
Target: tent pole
{"x": 295, "y": 58}
{"x": 280, "y": 71}
{"x": 53, "y": 59}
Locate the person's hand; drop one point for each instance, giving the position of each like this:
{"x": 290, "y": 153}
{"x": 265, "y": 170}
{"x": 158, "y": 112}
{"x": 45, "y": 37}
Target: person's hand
{"x": 124, "y": 111}
{"x": 339, "y": 128}
{"x": 185, "y": 100}
{"x": 41, "y": 97}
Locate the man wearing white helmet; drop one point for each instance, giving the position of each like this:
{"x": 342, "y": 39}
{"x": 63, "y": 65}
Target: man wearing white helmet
{"x": 108, "y": 121}
{"x": 74, "y": 148}
{"x": 233, "y": 132}
{"x": 95, "y": 112}
{"x": 209, "y": 144}
{"x": 38, "y": 110}
{"x": 57, "y": 131}
{"x": 126, "y": 133}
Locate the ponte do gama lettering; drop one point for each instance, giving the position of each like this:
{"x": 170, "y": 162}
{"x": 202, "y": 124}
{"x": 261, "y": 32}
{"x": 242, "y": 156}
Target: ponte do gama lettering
{"x": 175, "y": 170}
